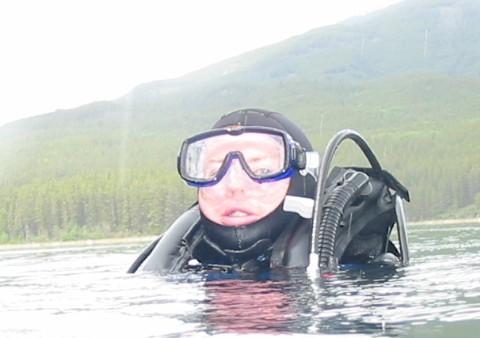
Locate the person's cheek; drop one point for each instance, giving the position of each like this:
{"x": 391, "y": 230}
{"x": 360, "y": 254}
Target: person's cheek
{"x": 207, "y": 198}
{"x": 211, "y": 199}
{"x": 270, "y": 195}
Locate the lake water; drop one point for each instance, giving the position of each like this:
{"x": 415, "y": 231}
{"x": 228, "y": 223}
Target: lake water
{"x": 85, "y": 292}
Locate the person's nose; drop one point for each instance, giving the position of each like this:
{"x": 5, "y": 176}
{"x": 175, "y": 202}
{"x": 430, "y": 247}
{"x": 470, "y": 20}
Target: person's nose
{"x": 236, "y": 180}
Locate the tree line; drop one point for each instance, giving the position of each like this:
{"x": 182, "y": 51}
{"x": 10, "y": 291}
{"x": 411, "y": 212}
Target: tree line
{"x": 108, "y": 204}
{"x": 86, "y": 194}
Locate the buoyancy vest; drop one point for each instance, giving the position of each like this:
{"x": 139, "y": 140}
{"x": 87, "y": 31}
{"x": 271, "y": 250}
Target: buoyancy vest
{"x": 362, "y": 236}
{"x": 185, "y": 247}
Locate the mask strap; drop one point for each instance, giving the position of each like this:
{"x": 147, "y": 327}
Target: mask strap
{"x": 312, "y": 164}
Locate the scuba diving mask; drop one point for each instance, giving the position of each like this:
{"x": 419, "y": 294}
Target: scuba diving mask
{"x": 265, "y": 154}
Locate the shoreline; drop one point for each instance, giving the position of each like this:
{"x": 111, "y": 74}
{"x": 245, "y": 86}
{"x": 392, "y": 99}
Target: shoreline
{"x": 147, "y": 239}
{"x": 451, "y": 221}
{"x": 82, "y": 242}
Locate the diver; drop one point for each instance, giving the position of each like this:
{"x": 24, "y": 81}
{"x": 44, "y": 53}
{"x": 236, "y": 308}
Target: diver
{"x": 256, "y": 174}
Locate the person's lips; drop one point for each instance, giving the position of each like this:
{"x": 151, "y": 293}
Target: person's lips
{"x": 238, "y": 216}
{"x": 236, "y": 213}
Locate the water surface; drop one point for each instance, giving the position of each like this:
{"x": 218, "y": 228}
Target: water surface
{"x": 85, "y": 292}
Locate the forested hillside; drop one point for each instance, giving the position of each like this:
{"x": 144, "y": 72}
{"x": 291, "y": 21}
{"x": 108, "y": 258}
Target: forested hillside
{"x": 406, "y": 77}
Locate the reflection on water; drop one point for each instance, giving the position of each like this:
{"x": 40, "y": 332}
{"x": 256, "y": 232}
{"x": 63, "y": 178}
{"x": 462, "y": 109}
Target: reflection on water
{"x": 294, "y": 303}
{"x": 245, "y": 306}
{"x": 347, "y": 302}
{"x": 84, "y": 292}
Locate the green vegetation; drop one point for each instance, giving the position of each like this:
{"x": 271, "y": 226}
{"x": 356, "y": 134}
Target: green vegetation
{"x": 91, "y": 206}
{"x": 108, "y": 168}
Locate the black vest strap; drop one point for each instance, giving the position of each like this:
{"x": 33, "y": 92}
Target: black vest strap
{"x": 171, "y": 250}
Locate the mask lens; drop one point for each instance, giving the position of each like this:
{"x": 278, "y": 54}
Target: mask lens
{"x": 263, "y": 153}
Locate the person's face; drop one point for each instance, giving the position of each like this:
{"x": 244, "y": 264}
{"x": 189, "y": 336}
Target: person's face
{"x": 237, "y": 199}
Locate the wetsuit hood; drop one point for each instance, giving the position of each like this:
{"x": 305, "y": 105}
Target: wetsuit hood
{"x": 270, "y": 226}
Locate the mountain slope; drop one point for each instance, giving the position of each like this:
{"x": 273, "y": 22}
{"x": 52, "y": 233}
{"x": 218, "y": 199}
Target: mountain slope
{"x": 407, "y": 77}
{"x": 433, "y": 36}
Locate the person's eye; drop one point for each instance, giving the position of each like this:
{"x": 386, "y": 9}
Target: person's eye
{"x": 262, "y": 171}
{"x": 212, "y": 173}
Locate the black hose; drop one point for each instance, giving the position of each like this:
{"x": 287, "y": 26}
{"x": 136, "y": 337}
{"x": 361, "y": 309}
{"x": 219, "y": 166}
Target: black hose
{"x": 323, "y": 235}
{"x": 333, "y": 210}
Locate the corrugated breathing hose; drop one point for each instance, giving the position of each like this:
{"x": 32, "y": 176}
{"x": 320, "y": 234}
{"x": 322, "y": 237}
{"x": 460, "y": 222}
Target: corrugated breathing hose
{"x": 332, "y": 215}
{"x": 324, "y": 228}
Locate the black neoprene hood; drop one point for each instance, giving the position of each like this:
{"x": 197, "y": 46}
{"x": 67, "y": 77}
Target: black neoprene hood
{"x": 264, "y": 118}
{"x": 269, "y": 227}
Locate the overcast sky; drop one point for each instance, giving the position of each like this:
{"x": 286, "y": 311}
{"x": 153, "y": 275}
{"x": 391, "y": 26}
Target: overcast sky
{"x": 61, "y": 54}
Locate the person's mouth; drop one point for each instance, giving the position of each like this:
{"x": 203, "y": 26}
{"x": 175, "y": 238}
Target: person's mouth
{"x": 237, "y": 213}
{"x": 238, "y": 216}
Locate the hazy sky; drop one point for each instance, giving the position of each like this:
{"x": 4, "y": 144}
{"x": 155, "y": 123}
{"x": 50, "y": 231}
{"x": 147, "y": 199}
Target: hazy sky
{"x": 61, "y": 54}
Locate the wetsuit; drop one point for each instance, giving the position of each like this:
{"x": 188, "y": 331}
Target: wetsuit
{"x": 282, "y": 238}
